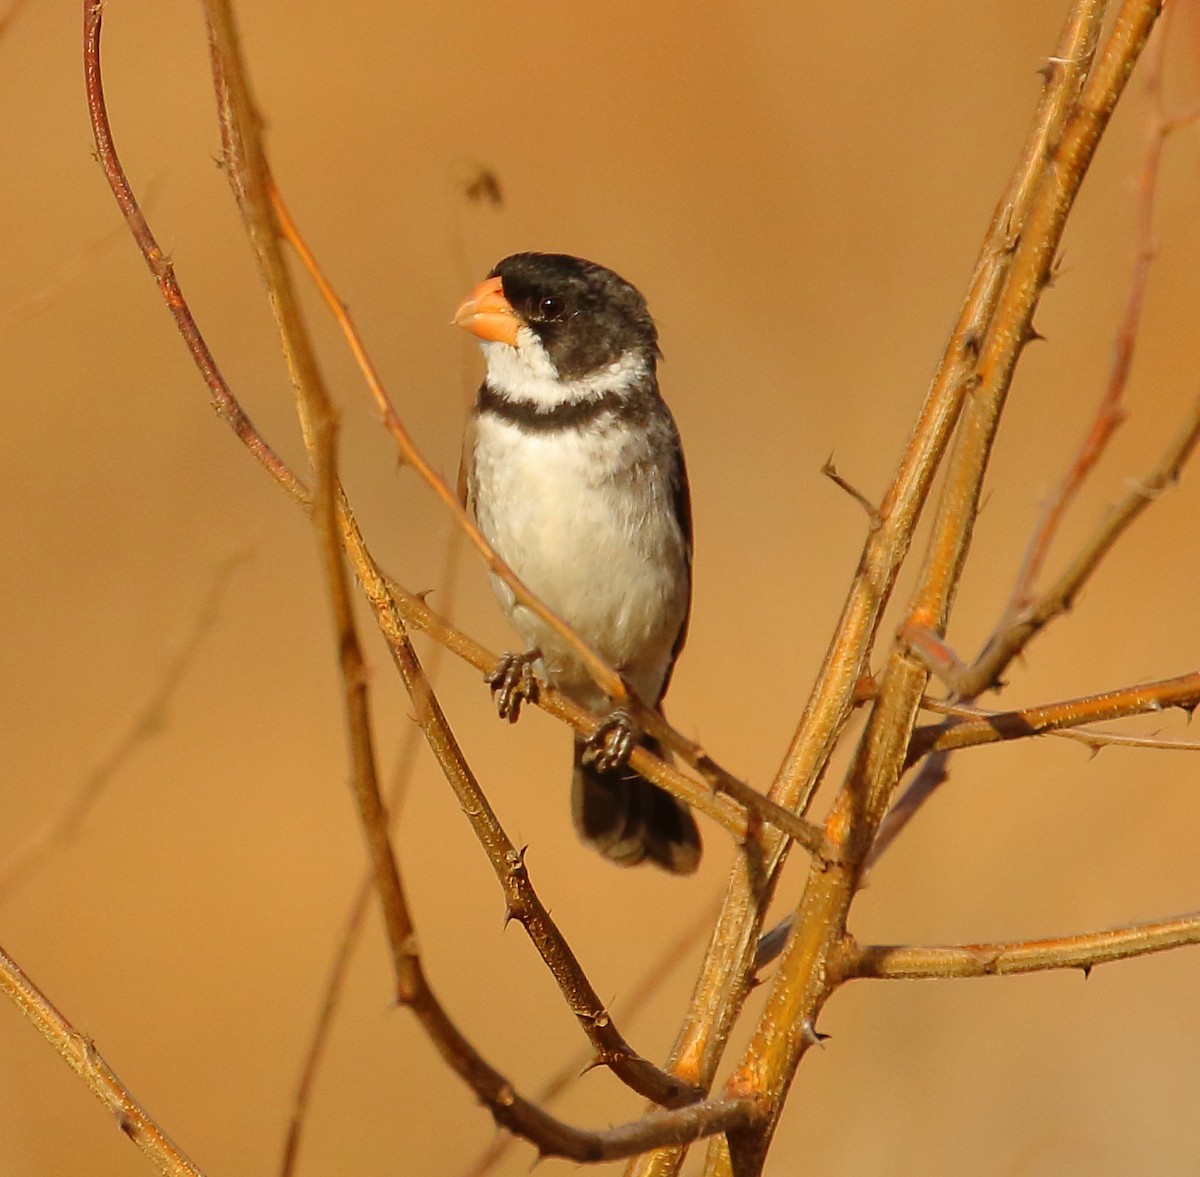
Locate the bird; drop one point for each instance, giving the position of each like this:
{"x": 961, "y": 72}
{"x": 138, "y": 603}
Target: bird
{"x": 573, "y": 470}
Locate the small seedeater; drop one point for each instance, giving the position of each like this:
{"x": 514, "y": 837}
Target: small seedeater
{"x": 574, "y": 471}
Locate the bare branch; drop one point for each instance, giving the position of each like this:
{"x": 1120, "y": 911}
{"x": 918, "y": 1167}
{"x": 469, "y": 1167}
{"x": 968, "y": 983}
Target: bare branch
{"x": 1096, "y": 740}
{"x": 1057, "y": 599}
{"x": 84, "y": 1059}
{"x": 897, "y": 962}
{"x": 1110, "y": 412}
{"x": 1023, "y": 618}
{"x": 831, "y": 472}
{"x": 160, "y": 266}
{"x": 992, "y": 727}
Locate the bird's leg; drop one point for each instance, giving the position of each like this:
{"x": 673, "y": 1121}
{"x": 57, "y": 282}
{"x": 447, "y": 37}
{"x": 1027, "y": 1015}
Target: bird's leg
{"x": 613, "y": 741}
{"x": 513, "y": 682}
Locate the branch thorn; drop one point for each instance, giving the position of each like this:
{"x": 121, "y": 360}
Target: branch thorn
{"x": 873, "y": 515}
{"x": 812, "y": 1035}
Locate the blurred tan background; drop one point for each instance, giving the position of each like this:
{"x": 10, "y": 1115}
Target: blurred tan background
{"x": 799, "y": 189}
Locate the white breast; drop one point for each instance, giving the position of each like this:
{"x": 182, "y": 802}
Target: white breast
{"x": 588, "y": 523}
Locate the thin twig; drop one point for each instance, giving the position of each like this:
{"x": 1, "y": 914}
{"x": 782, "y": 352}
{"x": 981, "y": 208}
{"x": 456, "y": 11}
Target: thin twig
{"x": 162, "y": 269}
{"x": 146, "y": 721}
{"x": 1086, "y": 951}
{"x": 1058, "y": 598}
{"x": 1097, "y": 740}
{"x": 1092, "y": 737}
{"x": 1052, "y": 603}
{"x": 84, "y": 1059}
{"x": 1182, "y": 691}
{"x": 831, "y": 472}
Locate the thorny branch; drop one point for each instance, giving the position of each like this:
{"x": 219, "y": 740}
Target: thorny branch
{"x": 1089, "y": 736}
{"x": 1110, "y": 412}
{"x": 1026, "y": 612}
{"x": 1182, "y": 692}
{"x": 726, "y": 974}
{"x": 900, "y": 962}
{"x": 630, "y": 1005}
{"x": 800, "y": 986}
{"x": 250, "y": 177}
{"x": 1051, "y": 603}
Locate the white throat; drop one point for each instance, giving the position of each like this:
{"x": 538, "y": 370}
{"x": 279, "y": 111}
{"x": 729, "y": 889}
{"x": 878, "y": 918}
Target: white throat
{"x": 525, "y": 373}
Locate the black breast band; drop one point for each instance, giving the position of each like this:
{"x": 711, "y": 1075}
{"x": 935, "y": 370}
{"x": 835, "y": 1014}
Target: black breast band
{"x": 632, "y": 406}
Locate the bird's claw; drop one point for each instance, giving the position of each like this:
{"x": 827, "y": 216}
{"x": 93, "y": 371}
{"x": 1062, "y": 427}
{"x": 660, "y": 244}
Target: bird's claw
{"x": 609, "y": 748}
{"x": 513, "y": 682}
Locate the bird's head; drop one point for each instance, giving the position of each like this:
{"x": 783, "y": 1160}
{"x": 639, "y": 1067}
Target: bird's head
{"x": 564, "y": 318}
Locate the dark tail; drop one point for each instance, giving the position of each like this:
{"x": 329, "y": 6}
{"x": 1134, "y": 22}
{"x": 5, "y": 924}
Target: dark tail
{"x": 628, "y": 819}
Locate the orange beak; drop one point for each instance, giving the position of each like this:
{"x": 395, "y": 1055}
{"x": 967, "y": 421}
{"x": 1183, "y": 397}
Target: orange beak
{"x": 488, "y": 314}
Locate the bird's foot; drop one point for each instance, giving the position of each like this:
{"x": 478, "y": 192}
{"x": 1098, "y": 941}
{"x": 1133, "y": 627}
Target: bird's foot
{"x": 613, "y": 741}
{"x": 513, "y": 682}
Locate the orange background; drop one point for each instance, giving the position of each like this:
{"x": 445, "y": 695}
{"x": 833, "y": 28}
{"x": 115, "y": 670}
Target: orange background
{"x": 799, "y": 190}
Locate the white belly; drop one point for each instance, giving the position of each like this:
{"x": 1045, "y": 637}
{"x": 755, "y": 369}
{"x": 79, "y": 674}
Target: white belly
{"x": 594, "y": 537}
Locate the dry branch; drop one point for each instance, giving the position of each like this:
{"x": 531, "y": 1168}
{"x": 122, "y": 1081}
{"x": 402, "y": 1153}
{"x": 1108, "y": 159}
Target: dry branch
{"x": 84, "y": 1059}
{"x": 629, "y": 1007}
{"x": 1053, "y": 602}
{"x": 1182, "y": 692}
{"x": 250, "y": 178}
{"x": 1086, "y": 951}
{"x": 1110, "y": 412}
{"x": 801, "y": 983}
{"x": 1026, "y": 614}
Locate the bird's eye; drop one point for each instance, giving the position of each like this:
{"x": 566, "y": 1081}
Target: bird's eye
{"x": 550, "y": 309}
